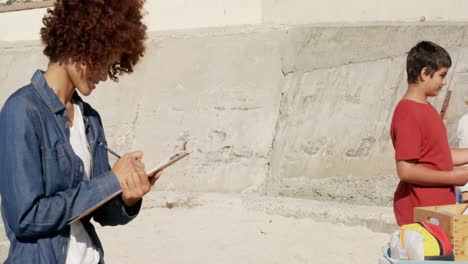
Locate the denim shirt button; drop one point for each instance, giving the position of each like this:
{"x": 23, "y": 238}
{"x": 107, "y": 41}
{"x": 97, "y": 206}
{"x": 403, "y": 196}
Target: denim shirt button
{"x": 81, "y": 168}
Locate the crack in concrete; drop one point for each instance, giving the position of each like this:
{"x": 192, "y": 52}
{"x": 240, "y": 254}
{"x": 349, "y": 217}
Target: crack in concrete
{"x": 357, "y": 62}
{"x": 464, "y": 38}
{"x": 282, "y": 114}
{"x": 246, "y": 108}
{"x": 295, "y": 70}
{"x": 134, "y": 124}
{"x": 395, "y": 92}
{"x": 286, "y": 73}
{"x": 459, "y": 57}
{"x": 307, "y": 42}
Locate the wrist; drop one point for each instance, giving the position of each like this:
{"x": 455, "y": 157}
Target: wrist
{"x": 129, "y": 202}
{"x": 460, "y": 177}
{"x": 464, "y": 197}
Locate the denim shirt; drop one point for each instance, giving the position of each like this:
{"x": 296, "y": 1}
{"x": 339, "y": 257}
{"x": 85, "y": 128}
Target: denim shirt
{"x": 41, "y": 178}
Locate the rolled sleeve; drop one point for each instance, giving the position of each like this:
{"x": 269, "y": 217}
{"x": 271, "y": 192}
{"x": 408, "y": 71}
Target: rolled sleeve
{"x": 115, "y": 212}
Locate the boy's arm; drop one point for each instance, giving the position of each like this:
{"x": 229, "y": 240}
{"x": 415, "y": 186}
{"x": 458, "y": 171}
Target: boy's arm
{"x": 412, "y": 172}
{"x": 462, "y": 135}
{"x": 459, "y": 156}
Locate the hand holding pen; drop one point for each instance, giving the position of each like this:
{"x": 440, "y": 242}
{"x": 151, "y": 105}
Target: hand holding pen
{"x": 130, "y": 172}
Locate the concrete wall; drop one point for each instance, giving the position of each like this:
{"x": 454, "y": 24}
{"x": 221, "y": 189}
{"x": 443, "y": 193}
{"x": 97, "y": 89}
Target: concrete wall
{"x": 181, "y": 14}
{"x": 342, "y": 83}
{"x": 27, "y": 25}
{"x": 332, "y": 11}
{"x": 296, "y": 111}
{"x": 160, "y": 15}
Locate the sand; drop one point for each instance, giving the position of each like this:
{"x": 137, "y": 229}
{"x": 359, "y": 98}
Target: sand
{"x": 223, "y": 228}
{"x": 220, "y": 229}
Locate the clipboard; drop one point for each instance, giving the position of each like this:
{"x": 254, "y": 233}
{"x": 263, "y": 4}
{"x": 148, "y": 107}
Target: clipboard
{"x": 163, "y": 165}
{"x": 171, "y": 160}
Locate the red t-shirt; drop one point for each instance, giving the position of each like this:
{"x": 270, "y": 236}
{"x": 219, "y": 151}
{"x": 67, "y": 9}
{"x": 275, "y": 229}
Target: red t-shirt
{"x": 418, "y": 133}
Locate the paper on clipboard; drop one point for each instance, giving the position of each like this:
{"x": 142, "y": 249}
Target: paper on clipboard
{"x": 171, "y": 160}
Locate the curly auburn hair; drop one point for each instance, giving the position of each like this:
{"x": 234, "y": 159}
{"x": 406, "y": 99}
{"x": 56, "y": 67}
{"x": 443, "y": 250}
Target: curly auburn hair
{"x": 96, "y": 32}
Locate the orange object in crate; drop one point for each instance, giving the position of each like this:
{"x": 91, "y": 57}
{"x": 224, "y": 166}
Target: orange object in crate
{"x": 452, "y": 220}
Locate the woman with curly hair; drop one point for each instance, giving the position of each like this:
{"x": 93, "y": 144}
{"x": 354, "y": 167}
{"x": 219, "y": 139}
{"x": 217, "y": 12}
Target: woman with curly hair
{"x": 52, "y": 168}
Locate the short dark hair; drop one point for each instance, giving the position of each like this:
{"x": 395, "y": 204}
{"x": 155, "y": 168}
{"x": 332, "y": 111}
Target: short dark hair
{"x": 426, "y": 54}
{"x": 94, "y": 32}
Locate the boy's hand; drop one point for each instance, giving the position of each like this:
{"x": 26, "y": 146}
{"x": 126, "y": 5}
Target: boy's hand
{"x": 464, "y": 197}
{"x": 462, "y": 172}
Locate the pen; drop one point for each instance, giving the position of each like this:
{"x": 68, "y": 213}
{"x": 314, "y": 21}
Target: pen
{"x": 110, "y": 150}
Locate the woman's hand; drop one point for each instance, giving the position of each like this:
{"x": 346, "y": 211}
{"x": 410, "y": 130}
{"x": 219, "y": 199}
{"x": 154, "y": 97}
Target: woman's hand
{"x": 132, "y": 177}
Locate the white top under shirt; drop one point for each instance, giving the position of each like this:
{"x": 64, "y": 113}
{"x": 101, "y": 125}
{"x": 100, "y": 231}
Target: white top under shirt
{"x": 462, "y": 135}
{"x": 80, "y": 247}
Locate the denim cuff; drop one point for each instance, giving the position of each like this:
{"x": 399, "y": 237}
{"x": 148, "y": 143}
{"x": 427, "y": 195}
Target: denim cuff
{"x": 110, "y": 187}
{"x": 132, "y": 211}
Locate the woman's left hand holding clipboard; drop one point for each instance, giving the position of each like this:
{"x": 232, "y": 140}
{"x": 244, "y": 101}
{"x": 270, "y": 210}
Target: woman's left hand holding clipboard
{"x": 132, "y": 177}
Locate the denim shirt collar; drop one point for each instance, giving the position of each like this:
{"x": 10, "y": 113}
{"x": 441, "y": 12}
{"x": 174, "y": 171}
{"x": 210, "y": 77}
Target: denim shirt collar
{"x": 46, "y": 92}
{"x": 50, "y": 98}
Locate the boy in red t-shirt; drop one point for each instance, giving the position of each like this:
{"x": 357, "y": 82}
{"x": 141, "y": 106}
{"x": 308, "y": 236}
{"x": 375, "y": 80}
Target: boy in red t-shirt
{"x": 424, "y": 161}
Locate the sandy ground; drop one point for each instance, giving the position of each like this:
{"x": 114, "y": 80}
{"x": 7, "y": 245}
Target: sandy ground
{"x": 214, "y": 228}
{"x": 224, "y": 231}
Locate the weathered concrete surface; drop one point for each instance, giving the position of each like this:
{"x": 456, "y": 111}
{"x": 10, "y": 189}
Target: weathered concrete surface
{"x": 377, "y": 190}
{"x": 158, "y": 15}
{"x": 300, "y": 111}
{"x": 211, "y": 94}
{"x": 182, "y": 14}
{"x": 332, "y": 11}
